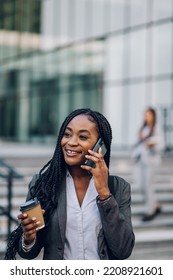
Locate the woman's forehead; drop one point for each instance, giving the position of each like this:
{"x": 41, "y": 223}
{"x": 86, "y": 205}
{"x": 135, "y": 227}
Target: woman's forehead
{"x": 82, "y": 121}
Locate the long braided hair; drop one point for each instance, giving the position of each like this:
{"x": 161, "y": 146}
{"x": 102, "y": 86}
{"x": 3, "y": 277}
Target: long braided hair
{"x": 51, "y": 175}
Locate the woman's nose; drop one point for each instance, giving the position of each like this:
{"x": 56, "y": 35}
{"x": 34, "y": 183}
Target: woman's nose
{"x": 73, "y": 141}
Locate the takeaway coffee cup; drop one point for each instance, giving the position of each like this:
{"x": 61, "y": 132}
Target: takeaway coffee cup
{"x": 33, "y": 209}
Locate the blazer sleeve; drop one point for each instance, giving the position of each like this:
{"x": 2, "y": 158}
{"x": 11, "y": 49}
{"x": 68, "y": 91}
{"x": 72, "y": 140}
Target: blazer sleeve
{"x": 116, "y": 221}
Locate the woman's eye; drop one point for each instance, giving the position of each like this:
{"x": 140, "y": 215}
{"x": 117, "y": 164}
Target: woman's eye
{"x": 66, "y": 134}
{"x": 82, "y": 137}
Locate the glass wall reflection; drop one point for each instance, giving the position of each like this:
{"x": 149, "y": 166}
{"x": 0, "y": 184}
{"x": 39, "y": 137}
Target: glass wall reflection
{"x": 114, "y": 56}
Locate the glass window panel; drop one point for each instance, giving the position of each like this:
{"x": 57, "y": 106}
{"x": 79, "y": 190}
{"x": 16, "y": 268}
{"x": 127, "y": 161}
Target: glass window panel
{"x": 162, "y": 49}
{"x": 64, "y": 21}
{"x": 138, "y": 12}
{"x": 88, "y": 57}
{"x": 97, "y": 17}
{"x": 8, "y": 7}
{"x": 23, "y": 112}
{"x": 93, "y": 99}
{"x": 79, "y": 19}
{"x": 80, "y": 55}
{"x": 3, "y": 81}
{"x": 66, "y": 60}
{"x": 63, "y": 105}
{"x": 116, "y": 14}
{"x": 8, "y": 23}
{"x": 126, "y": 55}
{"x": 1, "y": 54}
{"x": 97, "y": 53}
{"x": 137, "y": 104}
{"x": 88, "y": 18}
{"x": 162, "y": 9}
{"x": 137, "y": 44}
{"x": 47, "y": 26}
{"x": 112, "y": 107}
{"x": 161, "y": 93}
{"x": 114, "y": 58}
{"x": 71, "y": 19}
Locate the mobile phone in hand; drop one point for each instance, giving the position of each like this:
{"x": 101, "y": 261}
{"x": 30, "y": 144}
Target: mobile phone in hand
{"x": 100, "y": 144}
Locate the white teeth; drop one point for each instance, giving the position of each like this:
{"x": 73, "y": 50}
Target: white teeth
{"x": 71, "y": 152}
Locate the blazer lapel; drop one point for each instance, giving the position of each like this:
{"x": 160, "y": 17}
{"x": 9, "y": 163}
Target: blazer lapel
{"x": 61, "y": 209}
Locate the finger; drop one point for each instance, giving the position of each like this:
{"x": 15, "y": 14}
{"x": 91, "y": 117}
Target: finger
{"x": 100, "y": 152}
{"x": 30, "y": 234}
{"x": 31, "y": 227}
{"x": 96, "y": 154}
{"x": 87, "y": 168}
{"x": 22, "y": 216}
{"x": 93, "y": 153}
{"x": 94, "y": 158}
{"x": 28, "y": 221}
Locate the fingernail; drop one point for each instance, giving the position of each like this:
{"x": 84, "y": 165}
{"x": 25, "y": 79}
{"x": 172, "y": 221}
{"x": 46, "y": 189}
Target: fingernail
{"x": 37, "y": 223}
{"x": 25, "y": 215}
{"x": 34, "y": 218}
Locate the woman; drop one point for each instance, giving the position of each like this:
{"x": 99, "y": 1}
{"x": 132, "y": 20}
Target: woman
{"x": 84, "y": 220}
{"x": 150, "y": 143}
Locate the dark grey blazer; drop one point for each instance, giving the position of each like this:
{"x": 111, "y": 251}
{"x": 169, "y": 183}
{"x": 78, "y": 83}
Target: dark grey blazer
{"x": 116, "y": 238}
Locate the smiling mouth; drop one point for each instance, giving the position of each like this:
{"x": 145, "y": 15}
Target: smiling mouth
{"x": 71, "y": 152}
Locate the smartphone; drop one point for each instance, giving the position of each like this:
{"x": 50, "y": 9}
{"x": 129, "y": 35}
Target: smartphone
{"x": 100, "y": 144}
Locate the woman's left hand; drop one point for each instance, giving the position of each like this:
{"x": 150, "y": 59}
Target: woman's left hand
{"x": 100, "y": 173}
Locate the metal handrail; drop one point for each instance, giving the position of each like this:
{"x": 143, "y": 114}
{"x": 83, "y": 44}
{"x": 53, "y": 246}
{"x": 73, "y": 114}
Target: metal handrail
{"x": 11, "y": 174}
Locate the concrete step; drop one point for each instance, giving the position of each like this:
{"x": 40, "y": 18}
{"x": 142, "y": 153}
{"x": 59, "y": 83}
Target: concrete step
{"x": 161, "y": 221}
{"x": 159, "y": 187}
{"x": 161, "y": 197}
{"x": 153, "y": 235}
{"x": 168, "y": 178}
{"x": 15, "y": 202}
{"x": 153, "y": 251}
{"x": 166, "y": 208}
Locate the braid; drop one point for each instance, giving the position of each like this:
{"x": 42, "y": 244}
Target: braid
{"x": 105, "y": 132}
{"x": 12, "y": 244}
{"x": 51, "y": 175}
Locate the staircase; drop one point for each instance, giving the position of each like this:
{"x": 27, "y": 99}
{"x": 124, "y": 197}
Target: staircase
{"x": 154, "y": 239}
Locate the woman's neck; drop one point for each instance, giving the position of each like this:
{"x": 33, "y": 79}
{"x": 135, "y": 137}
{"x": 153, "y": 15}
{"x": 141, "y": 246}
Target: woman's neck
{"x": 77, "y": 172}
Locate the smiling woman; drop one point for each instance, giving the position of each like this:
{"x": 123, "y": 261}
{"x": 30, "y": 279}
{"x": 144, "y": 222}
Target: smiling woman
{"x": 87, "y": 212}
{"x": 80, "y": 135}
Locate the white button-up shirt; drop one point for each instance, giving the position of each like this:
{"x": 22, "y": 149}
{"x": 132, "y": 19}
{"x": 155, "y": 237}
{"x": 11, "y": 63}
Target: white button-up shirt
{"x": 83, "y": 223}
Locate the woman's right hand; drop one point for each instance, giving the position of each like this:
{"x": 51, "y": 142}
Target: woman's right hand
{"x": 30, "y": 226}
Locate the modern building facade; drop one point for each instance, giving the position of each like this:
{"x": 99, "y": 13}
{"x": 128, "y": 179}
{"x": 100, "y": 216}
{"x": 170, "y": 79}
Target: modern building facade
{"x": 114, "y": 56}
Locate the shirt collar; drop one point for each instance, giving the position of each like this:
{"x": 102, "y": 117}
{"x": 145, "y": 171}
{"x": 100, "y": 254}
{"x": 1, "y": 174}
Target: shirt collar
{"x": 68, "y": 175}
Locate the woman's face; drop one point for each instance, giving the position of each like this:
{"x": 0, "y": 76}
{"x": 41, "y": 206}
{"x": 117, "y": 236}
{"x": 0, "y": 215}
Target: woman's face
{"x": 149, "y": 118}
{"x": 80, "y": 135}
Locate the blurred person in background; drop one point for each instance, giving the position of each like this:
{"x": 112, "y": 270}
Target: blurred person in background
{"x": 147, "y": 155}
{"x": 87, "y": 212}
